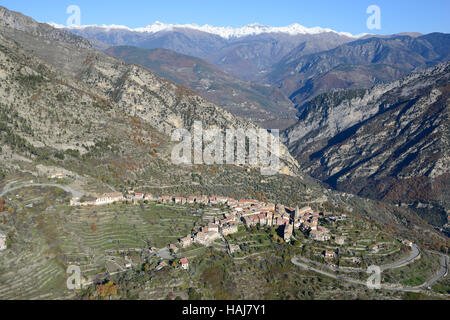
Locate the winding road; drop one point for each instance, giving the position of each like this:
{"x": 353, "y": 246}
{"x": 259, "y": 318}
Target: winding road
{"x": 415, "y": 252}
{"x": 413, "y": 255}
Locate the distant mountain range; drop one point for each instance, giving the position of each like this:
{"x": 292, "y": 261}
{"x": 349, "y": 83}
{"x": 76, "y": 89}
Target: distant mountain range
{"x": 301, "y": 62}
{"x": 358, "y": 64}
{"x": 66, "y": 103}
{"x": 244, "y": 52}
{"x": 83, "y": 94}
{"x": 224, "y": 32}
{"x": 263, "y": 104}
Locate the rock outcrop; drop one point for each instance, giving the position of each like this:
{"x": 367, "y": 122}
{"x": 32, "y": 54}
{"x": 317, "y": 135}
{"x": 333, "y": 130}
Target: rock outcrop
{"x": 390, "y": 142}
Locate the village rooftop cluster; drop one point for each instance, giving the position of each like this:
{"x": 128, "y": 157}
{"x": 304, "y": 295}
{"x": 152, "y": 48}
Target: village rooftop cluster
{"x": 249, "y": 212}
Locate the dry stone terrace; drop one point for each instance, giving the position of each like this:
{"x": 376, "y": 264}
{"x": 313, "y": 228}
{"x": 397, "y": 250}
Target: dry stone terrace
{"x": 249, "y": 212}
{"x": 114, "y": 239}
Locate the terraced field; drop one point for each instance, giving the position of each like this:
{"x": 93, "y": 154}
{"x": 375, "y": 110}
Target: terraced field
{"x": 49, "y": 236}
{"x": 31, "y": 274}
{"x": 125, "y": 226}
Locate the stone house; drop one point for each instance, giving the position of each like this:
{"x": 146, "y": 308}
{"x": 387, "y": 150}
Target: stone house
{"x": 184, "y": 263}
{"x": 174, "y": 248}
{"x": 229, "y": 229}
{"x": 186, "y": 242}
{"x": 319, "y": 235}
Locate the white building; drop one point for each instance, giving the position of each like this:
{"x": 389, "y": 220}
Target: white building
{"x": 213, "y": 227}
{"x": 108, "y": 198}
{"x": 184, "y": 263}
{"x": 139, "y": 196}
{"x": 58, "y": 175}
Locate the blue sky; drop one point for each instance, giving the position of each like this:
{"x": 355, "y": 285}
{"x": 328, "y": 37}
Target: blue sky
{"x": 345, "y": 15}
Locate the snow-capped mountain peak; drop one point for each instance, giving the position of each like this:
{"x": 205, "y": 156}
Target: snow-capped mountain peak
{"x": 224, "y": 32}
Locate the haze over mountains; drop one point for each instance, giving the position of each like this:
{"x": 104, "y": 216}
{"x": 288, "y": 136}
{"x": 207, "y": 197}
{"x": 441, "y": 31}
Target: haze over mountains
{"x": 359, "y": 64}
{"x": 223, "y": 32}
{"x": 245, "y": 53}
{"x": 301, "y": 62}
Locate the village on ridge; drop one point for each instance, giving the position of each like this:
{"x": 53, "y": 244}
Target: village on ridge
{"x": 249, "y": 212}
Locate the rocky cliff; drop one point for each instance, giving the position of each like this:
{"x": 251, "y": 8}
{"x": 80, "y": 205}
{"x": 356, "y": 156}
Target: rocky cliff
{"x": 262, "y": 104}
{"x": 390, "y": 142}
{"x": 127, "y": 88}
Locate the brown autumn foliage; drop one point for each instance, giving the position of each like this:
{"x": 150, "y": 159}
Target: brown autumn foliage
{"x": 2, "y": 205}
{"x": 153, "y": 153}
{"x": 107, "y": 290}
{"x": 136, "y": 121}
